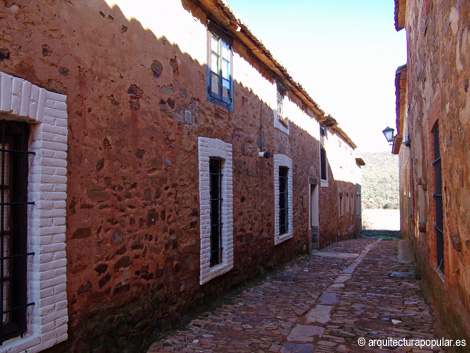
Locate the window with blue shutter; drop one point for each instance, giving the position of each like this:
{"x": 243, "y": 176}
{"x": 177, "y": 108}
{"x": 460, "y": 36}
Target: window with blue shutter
{"x": 219, "y": 68}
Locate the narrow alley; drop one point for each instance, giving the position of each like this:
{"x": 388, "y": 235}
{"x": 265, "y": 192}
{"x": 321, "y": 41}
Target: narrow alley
{"x": 162, "y": 159}
{"x": 337, "y": 300}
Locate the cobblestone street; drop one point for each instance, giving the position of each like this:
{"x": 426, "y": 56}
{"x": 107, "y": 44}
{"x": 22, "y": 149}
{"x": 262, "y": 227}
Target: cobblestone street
{"x": 323, "y": 303}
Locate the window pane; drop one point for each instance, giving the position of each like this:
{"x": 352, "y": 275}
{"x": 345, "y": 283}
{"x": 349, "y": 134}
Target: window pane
{"x": 7, "y": 166}
{"x": 225, "y": 51}
{"x": 282, "y": 222}
{"x": 283, "y": 200}
{"x": 225, "y": 69}
{"x": 215, "y": 168}
{"x": 226, "y": 94}
{"x": 438, "y": 177}
{"x": 282, "y": 184}
{"x": 6, "y": 210}
{"x": 280, "y": 112}
{"x": 324, "y": 174}
{"x": 215, "y": 83}
{"x": 5, "y": 236}
{"x": 6, "y": 282}
{"x": 437, "y": 152}
{"x": 215, "y": 63}
{"x": 14, "y": 136}
{"x": 215, "y": 43}
{"x": 6, "y": 189}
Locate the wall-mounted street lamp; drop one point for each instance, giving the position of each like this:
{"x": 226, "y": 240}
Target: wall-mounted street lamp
{"x": 388, "y": 133}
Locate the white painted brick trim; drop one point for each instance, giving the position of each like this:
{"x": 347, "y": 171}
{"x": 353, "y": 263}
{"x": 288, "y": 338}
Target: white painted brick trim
{"x": 47, "y": 187}
{"x": 207, "y": 148}
{"x": 281, "y": 160}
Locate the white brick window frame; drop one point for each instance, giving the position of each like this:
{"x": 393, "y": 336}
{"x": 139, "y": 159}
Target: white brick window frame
{"x": 46, "y": 113}
{"x": 215, "y": 148}
{"x": 281, "y": 160}
{"x": 277, "y": 123}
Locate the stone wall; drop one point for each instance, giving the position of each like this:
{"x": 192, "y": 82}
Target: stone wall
{"x": 438, "y": 74}
{"x": 137, "y": 104}
{"x": 340, "y": 212}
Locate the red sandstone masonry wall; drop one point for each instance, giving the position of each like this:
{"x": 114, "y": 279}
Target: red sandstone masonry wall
{"x": 438, "y": 91}
{"x": 333, "y": 226}
{"x": 133, "y": 207}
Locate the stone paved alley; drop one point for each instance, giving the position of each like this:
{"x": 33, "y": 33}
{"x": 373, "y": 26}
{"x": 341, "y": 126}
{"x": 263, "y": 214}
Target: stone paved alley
{"x": 323, "y": 303}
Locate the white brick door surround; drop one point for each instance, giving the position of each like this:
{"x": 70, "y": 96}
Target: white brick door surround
{"x": 46, "y": 113}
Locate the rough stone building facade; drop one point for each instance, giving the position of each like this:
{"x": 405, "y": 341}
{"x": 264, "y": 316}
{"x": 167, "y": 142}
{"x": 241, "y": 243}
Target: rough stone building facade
{"x": 165, "y": 157}
{"x": 433, "y": 122}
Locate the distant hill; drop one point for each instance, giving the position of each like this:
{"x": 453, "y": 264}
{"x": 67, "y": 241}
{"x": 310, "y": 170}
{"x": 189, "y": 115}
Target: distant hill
{"x": 380, "y": 181}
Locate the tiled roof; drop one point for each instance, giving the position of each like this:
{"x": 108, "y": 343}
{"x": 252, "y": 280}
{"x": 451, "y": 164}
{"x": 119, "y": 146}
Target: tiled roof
{"x": 221, "y": 12}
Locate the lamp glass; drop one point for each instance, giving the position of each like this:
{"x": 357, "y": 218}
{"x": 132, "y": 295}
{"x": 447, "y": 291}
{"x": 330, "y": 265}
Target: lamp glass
{"x": 388, "y": 132}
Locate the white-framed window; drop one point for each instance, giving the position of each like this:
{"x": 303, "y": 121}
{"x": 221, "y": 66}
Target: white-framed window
{"x": 220, "y": 68}
{"x": 216, "y": 208}
{"x": 283, "y": 198}
{"x": 281, "y": 121}
{"x": 44, "y": 306}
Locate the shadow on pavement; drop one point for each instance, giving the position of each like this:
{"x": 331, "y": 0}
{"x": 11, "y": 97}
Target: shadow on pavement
{"x": 375, "y": 233}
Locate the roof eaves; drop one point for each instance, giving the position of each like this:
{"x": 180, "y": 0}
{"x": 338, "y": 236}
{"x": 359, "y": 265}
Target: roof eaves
{"x": 360, "y": 162}
{"x": 344, "y": 136}
{"x": 222, "y": 13}
{"x": 400, "y": 14}
{"x": 400, "y": 93}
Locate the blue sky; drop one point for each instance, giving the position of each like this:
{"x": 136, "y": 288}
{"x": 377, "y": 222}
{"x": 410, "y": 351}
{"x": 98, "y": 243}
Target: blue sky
{"x": 343, "y": 52}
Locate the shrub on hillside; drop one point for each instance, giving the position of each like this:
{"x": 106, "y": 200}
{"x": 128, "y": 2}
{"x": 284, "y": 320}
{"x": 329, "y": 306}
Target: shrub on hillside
{"x": 380, "y": 181}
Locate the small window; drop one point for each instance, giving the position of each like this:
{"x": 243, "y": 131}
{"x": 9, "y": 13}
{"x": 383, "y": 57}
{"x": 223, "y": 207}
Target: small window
{"x": 215, "y": 172}
{"x": 219, "y": 78}
{"x": 340, "y": 204}
{"x": 283, "y": 200}
{"x": 281, "y": 92}
{"x": 324, "y": 171}
{"x": 281, "y": 121}
{"x": 439, "y": 212}
{"x": 323, "y": 159}
{"x": 358, "y": 203}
